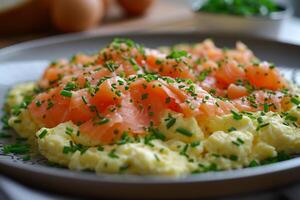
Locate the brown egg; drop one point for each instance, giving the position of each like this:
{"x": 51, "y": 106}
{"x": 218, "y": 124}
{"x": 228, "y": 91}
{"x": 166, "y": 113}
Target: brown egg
{"x": 106, "y": 5}
{"x": 135, "y": 7}
{"x": 76, "y": 15}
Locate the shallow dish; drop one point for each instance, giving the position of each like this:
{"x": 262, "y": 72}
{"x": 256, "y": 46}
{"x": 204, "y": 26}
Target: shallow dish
{"x": 25, "y": 62}
{"x": 267, "y": 26}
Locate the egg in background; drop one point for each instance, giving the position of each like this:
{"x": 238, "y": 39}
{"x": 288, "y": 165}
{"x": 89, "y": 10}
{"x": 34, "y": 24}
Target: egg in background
{"x": 76, "y": 15}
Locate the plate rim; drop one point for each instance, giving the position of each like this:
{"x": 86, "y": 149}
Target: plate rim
{"x": 283, "y": 166}
{"x": 69, "y": 37}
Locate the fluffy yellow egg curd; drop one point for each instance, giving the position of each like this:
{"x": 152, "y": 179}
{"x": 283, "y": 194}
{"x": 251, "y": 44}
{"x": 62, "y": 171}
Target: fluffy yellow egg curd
{"x": 221, "y": 143}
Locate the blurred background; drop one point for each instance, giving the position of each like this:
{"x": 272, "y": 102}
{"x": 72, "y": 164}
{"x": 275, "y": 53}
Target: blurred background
{"x": 23, "y": 20}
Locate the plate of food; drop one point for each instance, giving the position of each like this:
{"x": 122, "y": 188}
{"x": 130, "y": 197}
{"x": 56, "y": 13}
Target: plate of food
{"x": 156, "y": 115}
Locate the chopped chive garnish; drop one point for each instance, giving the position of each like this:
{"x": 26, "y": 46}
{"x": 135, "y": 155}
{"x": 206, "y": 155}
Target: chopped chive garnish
{"x": 253, "y": 163}
{"x": 233, "y": 157}
{"x": 69, "y": 130}
{"x": 123, "y": 168}
{"x": 235, "y": 143}
{"x": 168, "y": 100}
{"x": 74, "y": 147}
{"x": 43, "y": 133}
{"x": 100, "y": 148}
{"x": 260, "y": 120}
{"x": 145, "y": 96}
{"x": 184, "y": 131}
{"x": 84, "y": 99}
{"x": 236, "y": 116}
{"x": 50, "y": 105}
{"x": 295, "y": 100}
{"x": 134, "y": 64}
{"x": 103, "y": 121}
{"x": 38, "y": 103}
{"x": 184, "y": 150}
{"x": 156, "y": 158}
{"x": 195, "y": 144}
{"x": 66, "y": 93}
{"x": 261, "y": 126}
{"x": 16, "y": 148}
{"x": 111, "y": 66}
{"x": 177, "y": 54}
{"x": 170, "y": 121}
{"x": 240, "y": 140}
{"x": 232, "y": 129}
{"x": 202, "y": 76}
{"x": 70, "y": 86}
{"x": 291, "y": 118}
{"x": 266, "y": 107}
{"x": 113, "y": 154}
{"x": 17, "y": 121}
{"x": 158, "y": 135}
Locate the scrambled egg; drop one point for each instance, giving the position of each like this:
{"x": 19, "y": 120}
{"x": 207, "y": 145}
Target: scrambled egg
{"x": 224, "y": 143}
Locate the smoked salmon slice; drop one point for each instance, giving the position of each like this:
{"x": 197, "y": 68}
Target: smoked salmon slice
{"x": 126, "y": 88}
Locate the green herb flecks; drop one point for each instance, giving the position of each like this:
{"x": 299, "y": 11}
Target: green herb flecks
{"x": 184, "y": 132}
{"x": 111, "y": 66}
{"x": 18, "y": 148}
{"x": 240, "y": 7}
{"x": 112, "y": 154}
{"x": 170, "y": 121}
{"x": 43, "y": 133}
{"x": 236, "y": 115}
{"x": 66, "y": 93}
{"x": 177, "y": 55}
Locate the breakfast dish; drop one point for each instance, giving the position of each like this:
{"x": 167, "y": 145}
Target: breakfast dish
{"x": 170, "y": 111}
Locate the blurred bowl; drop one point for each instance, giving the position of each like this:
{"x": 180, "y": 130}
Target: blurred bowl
{"x": 266, "y": 26}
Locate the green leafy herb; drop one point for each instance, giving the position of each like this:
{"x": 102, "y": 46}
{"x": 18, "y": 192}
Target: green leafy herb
{"x": 113, "y": 154}
{"x": 103, "y": 121}
{"x": 18, "y": 148}
{"x": 43, "y": 133}
{"x": 240, "y": 7}
{"x": 232, "y": 129}
{"x": 266, "y": 107}
{"x": 134, "y": 64}
{"x": 195, "y": 144}
{"x": 124, "y": 139}
{"x": 72, "y": 148}
{"x": 236, "y": 116}
{"x": 233, "y": 157}
{"x": 253, "y": 163}
{"x": 70, "y": 86}
{"x": 66, "y": 93}
{"x": 202, "y": 76}
{"x": 100, "y": 148}
{"x": 69, "y": 130}
{"x": 84, "y": 99}
{"x": 184, "y": 150}
{"x": 281, "y": 156}
{"x": 145, "y": 96}
{"x": 295, "y": 100}
{"x": 177, "y": 54}
{"x": 260, "y": 126}
{"x": 157, "y": 134}
{"x": 184, "y": 131}
{"x": 111, "y": 66}
{"x": 170, "y": 121}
